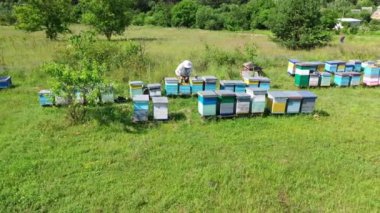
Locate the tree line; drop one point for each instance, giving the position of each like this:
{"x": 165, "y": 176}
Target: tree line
{"x": 295, "y": 23}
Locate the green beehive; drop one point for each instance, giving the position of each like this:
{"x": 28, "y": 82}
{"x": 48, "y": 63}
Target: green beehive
{"x": 303, "y": 71}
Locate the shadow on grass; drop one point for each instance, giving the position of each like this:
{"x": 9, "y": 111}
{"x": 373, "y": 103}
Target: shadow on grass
{"x": 320, "y": 113}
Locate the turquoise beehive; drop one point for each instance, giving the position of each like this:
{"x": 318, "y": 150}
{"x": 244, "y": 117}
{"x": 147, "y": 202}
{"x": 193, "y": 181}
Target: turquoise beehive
{"x": 46, "y": 98}
{"x": 196, "y": 85}
{"x": 171, "y": 86}
{"x": 140, "y": 108}
{"x": 258, "y": 99}
{"x": 209, "y": 83}
{"x": 325, "y": 79}
{"x": 355, "y": 78}
{"x": 207, "y": 101}
{"x": 342, "y": 79}
{"x": 293, "y": 105}
{"x": 227, "y": 85}
{"x": 239, "y": 86}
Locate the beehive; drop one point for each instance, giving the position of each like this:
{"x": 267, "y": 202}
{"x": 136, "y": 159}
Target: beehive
{"x": 227, "y": 85}
{"x": 350, "y": 67}
{"x": 135, "y": 88}
{"x": 61, "y": 101}
{"x": 46, "y": 98}
{"x": 239, "y": 86}
{"x": 292, "y": 66}
{"x": 358, "y": 65}
{"x": 251, "y": 82}
{"x": 258, "y": 99}
{"x": 184, "y": 88}
{"x": 320, "y": 66}
{"x": 276, "y": 102}
{"x": 308, "y": 101}
{"x": 207, "y": 101}
{"x": 314, "y": 79}
{"x": 335, "y": 66}
{"x": 196, "y": 85}
{"x": 154, "y": 90}
{"x": 243, "y": 103}
{"x": 355, "y": 78}
{"x": 325, "y": 79}
{"x": 106, "y": 95}
{"x": 140, "y": 108}
{"x": 160, "y": 108}
{"x": 79, "y": 98}
{"x": 342, "y": 79}
{"x": 371, "y": 75}
{"x": 264, "y": 83}
{"x": 293, "y": 105}
{"x": 5, "y": 82}
{"x": 209, "y": 83}
{"x": 366, "y": 64}
{"x": 171, "y": 86}
{"x": 226, "y": 103}
{"x": 302, "y": 76}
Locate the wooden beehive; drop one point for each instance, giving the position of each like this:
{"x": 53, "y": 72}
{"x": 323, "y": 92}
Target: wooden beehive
{"x": 314, "y": 79}
{"x": 293, "y": 104}
{"x": 227, "y": 85}
{"x": 292, "y": 66}
{"x": 226, "y": 103}
{"x": 358, "y": 65}
{"x": 107, "y": 96}
{"x": 251, "y": 82}
{"x": 258, "y": 99}
{"x": 209, "y": 83}
{"x": 342, "y": 79}
{"x": 171, "y": 86}
{"x": 308, "y": 101}
{"x": 243, "y": 103}
{"x": 46, "y": 98}
{"x": 276, "y": 102}
{"x": 239, "y": 86}
{"x": 325, "y": 79}
{"x": 160, "y": 108}
{"x": 140, "y": 108}
{"x": 196, "y": 85}
{"x": 302, "y": 76}
{"x": 184, "y": 88}
{"x": 135, "y": 88}
{"x": 335, "y": 66}
{"x": 371, "y": 75}
{"x": 207, "y": 101}
{"x": 154, "y": 90}
{"x": 355, "y": 78}
{"x": 350, "y": 67}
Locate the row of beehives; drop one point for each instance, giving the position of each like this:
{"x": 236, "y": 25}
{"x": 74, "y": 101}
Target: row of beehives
{"x": 141, "y": 108}
{"x": 207, "y": 83}
{"x": 226, "y": 103}
{"x": 48, "y": 98}
{"x": 313, "y": 74}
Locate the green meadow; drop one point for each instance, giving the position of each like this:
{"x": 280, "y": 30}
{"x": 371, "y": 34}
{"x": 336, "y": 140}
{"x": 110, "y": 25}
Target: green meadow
{"x": 325, "y": 162}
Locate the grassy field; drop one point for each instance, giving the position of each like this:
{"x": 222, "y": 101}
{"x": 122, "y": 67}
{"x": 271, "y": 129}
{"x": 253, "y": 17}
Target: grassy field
{"x": 310, "y": 163}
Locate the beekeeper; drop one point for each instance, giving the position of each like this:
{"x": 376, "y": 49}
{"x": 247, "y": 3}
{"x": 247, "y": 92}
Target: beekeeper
{"x": 184, "y": 70}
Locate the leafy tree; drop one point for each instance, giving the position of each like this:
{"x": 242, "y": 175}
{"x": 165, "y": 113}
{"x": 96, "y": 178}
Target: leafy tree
{"x": 235, "y": 17}
{"x": 329, "y": 18}
{"x": 108, "y": 17}
{"x": 184, "y": 13}
{"x": 261, "y": 11}
{"x": 207, "y": 18}
{"x": 160, "y": 15}
{"x": 297, "y": 24}
{"x": 53, "y": 16}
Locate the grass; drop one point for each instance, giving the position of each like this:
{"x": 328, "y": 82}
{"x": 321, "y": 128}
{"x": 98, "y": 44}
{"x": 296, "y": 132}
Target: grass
{"x": 327, "y": 162}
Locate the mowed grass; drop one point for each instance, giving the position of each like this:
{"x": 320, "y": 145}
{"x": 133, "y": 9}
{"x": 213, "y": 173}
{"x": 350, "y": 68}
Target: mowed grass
{"x": 324, "y": 162}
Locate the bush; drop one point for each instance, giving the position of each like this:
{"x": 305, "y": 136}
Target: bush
{"x": 235, "y": 17}
{"x": 207, "y": 18}
{"x": 139, "y": 19}
{"x": 184, "y": 13}
{"x": 260, "y": 11}
{"x": 160, "y": 15}
{"x": 329, "y": 18}
{"x": 6, "y": 14}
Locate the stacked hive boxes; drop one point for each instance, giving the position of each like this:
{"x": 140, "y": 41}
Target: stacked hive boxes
{"x": 293, "y": 104}
{"x": 302, "y": 76}
{"x": 160, "y": 108}
{"x": 243, "y": 103}
{"x": 251, "y": 82}
{"x": 226, "y": 103}
{"x": 140, "y": 108}
{"x": 342, "y": 79}
{"x": 227, "y": 85}
{"x": 354, "y": 78}
{"x": 292, "y": 66}
{"x": 239, "y": 86}
{"x": 314, "y": 79}
{"x": 325, "y": 79}
{"x": 154, "y": 90}
{"x": 196, "y": 85}
{"x": 5, "y": 82}
{"x": 207, "y": 101}
{"x": 335, "y": 66}
{"x": 357, "y": 64}
{"x": 135, "y": 88}
{"x": 258, "y": 96}
{"x": 171, "y": 86}
{"x": 209, "y": 83}
{"x": 308, "y": 101}
{"x": 184, "y": 89}
{"x": 371, "y": 75}
{"x": 264, "y": 82}
{"x": 367, "y": 63}
{"x": 276, "y": 102}
{"x": 350, "y": 67}
{"x": 46, "y": 98}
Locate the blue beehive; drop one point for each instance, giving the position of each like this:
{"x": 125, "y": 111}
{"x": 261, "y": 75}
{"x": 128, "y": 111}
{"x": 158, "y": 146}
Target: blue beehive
{"x": 335, "y": 66}
{"x": 367, "y": 64}
{"x": 227, "y": 85}
{"x": 184, "y": 89}
{"x": 140, "y": 108}
{"x": 342, "y": 79}
{"x": 264, "y": 83}
{"x": 308, "y": 101}
{"x": 171, "y": 86}
{"x": 293, "y": 105}
{"x": 358, "y": 65}
{"x": 350, "y": 67}
{"x": 46, "y": 98}
{"x": 239, "y": 86}
{"x": 207, "y": 101}
{"x": 258, "y": 99}
{"x": 209, "y": 83}
{"x": 196, "y": 85}
{"x": 5, "y": 82}
{"x": 325, "y": 79}
{"x": 355, "y": 78}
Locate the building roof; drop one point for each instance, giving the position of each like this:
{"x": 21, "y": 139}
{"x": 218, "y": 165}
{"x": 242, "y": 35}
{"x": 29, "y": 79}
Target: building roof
{"x": 350, "y": 20}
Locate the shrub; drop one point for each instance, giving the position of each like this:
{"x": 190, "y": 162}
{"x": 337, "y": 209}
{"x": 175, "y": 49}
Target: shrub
{"x": 184, "y": 13}
{"x": 207, "y": 18}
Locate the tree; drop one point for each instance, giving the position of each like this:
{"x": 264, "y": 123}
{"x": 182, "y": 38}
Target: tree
{"x": 207, "y": 18}
{"x": 107, "y": 16}
{"x": 53, "y": 16}
{"x": 297, "y": 25}
{"x": 184, "y": 13}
